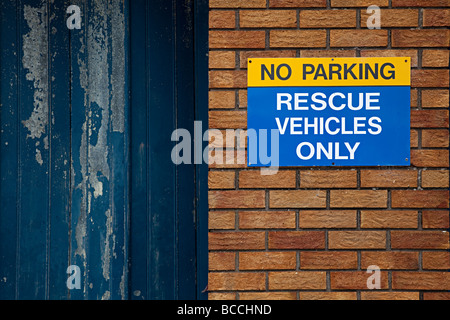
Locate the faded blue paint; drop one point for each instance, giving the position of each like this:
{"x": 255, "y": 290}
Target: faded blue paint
{"x": 66, "y": 148}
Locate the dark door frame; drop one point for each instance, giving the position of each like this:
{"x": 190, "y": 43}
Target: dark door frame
{"x": 169, "y": 208}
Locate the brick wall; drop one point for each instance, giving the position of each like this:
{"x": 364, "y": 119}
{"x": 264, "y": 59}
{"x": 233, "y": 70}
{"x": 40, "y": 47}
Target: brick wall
{"x": 311, "y": 233}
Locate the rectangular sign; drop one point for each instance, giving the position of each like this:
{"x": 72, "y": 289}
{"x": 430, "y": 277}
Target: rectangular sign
{"x": 329, "y": 111}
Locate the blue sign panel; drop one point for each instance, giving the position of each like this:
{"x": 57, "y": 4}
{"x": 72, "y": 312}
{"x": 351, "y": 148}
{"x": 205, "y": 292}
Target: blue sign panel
{"x": 326, "y": 126}
{"x": 363, "y": 120}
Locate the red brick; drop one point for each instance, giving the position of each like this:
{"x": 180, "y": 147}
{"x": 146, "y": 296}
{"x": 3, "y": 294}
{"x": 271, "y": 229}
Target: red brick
{"x": 221, "y": 295}
{"x": 356, "y": 239}
{"x": 316, "y": 260}
{"x": 327, "y": 18}
{"x": 420, "y": 3}
{"x": 268, "y": 19}
{"x": 293, "y": 280}
{"x": 243, "y": 103}
{"x": 267, "y": 219}
{"x": 436, "y": 260}
{"x": 222, "y": 220}
{"x": 233, "y": 240}
{"x": 222, "y": 19}
{"x": 298, "y": 38}
{"x": 270, "y": 295}
{"x": 222, "y": 59}
{"x": 436, "y": 17}
{"x": 225, "y": 281}
{"x": 419, "y": 198}
{"x": 435, "y": 58}
{"x": 358, "y": 198}
{"x": 321, "y": 295}
{"x": 394, "y": 18}
{"x": 392, "y": 53}
{"x": 254, "y": 179}
{"x": 375, "y": 295}
{"x": 436, "y": 295}
{"x": 414, "y": 97}
{"x": 358, "y": 38}
{"x": 221, "y": 99}
{"x": 429, "y": 118}
{"x": 420, "y": 280}
{"x": 221, "y": 179}
{"x": 388, "y": 178}
{"x": 267, "y": 260}
{"x": 297, "y": 199}
{"x": 327, "y": 219}
{"x": 228, "y": 79}
{"x": 435, "y": 179}
{"x": 420, "y": 38}
{"x": 389, "y": 219}
{"x": 245, "y": 55}
{"x": 296, "y": 240}
{"x": 218, "y": 140}
{"x": 237, "y": 3}
{"x": 227, "y": 159}
{"x": 435, "y": 98}
{"x": 427, "y": 78}
{"x": 236, "y": 199}
{"x": 414, "y": 138}
{"x": 419, "y": 240}
{"x": 297, "y": 3}
{"x": 429, "y": 158}
{"x": 435, "y": 219}
{"x": 328, "y": 179}
{"x": 221, "y": 261}
{"x": 355, "y": 280}
{"x": 359, "y": 3}
{"x": 435, "y": 138}
{"x": 237, "y": 39}
{"x": 327, "y": 53}
{"x": 390, "y": 259}
{"x": 228, "y": 119}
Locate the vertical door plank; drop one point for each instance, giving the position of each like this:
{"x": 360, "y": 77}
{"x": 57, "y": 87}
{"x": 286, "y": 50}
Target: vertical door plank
{"x": 59, "y": 146}
{"x": 119, "y": 144}
{"x": 201, "y": 49}
{"x": 9, "y": 60}
{"x": 139, "y": 246}
{"x": 163, "y": 195}
{"x": 162, "y": 113}
{"x": 99, "y": 146}
{"x": 33, "y": 135}
{"x": 185, "y": 117}
{"x": 79, "y": 156}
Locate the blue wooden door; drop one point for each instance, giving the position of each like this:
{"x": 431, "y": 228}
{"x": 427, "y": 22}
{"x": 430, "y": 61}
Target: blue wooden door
{"x": 86, "y": 177}
{"x": 168, "y": 203}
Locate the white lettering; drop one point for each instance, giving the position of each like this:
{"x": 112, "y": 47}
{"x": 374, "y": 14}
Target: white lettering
{"x": 286, "y": 102}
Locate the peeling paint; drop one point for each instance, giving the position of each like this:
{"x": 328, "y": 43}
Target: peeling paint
{"x": 106, "y": 259}
{"x": 39, "y": 157}
{"x": 100, "y": 63}
{"x": 106, "y": 295}
{"x": 116, "y": 12}
{"x": 122, "y": 284}
{"x": 35, "y": 61}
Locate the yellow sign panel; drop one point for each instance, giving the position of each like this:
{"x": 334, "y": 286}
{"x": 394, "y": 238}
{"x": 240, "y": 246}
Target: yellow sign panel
{"x": 329, "y": 72}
